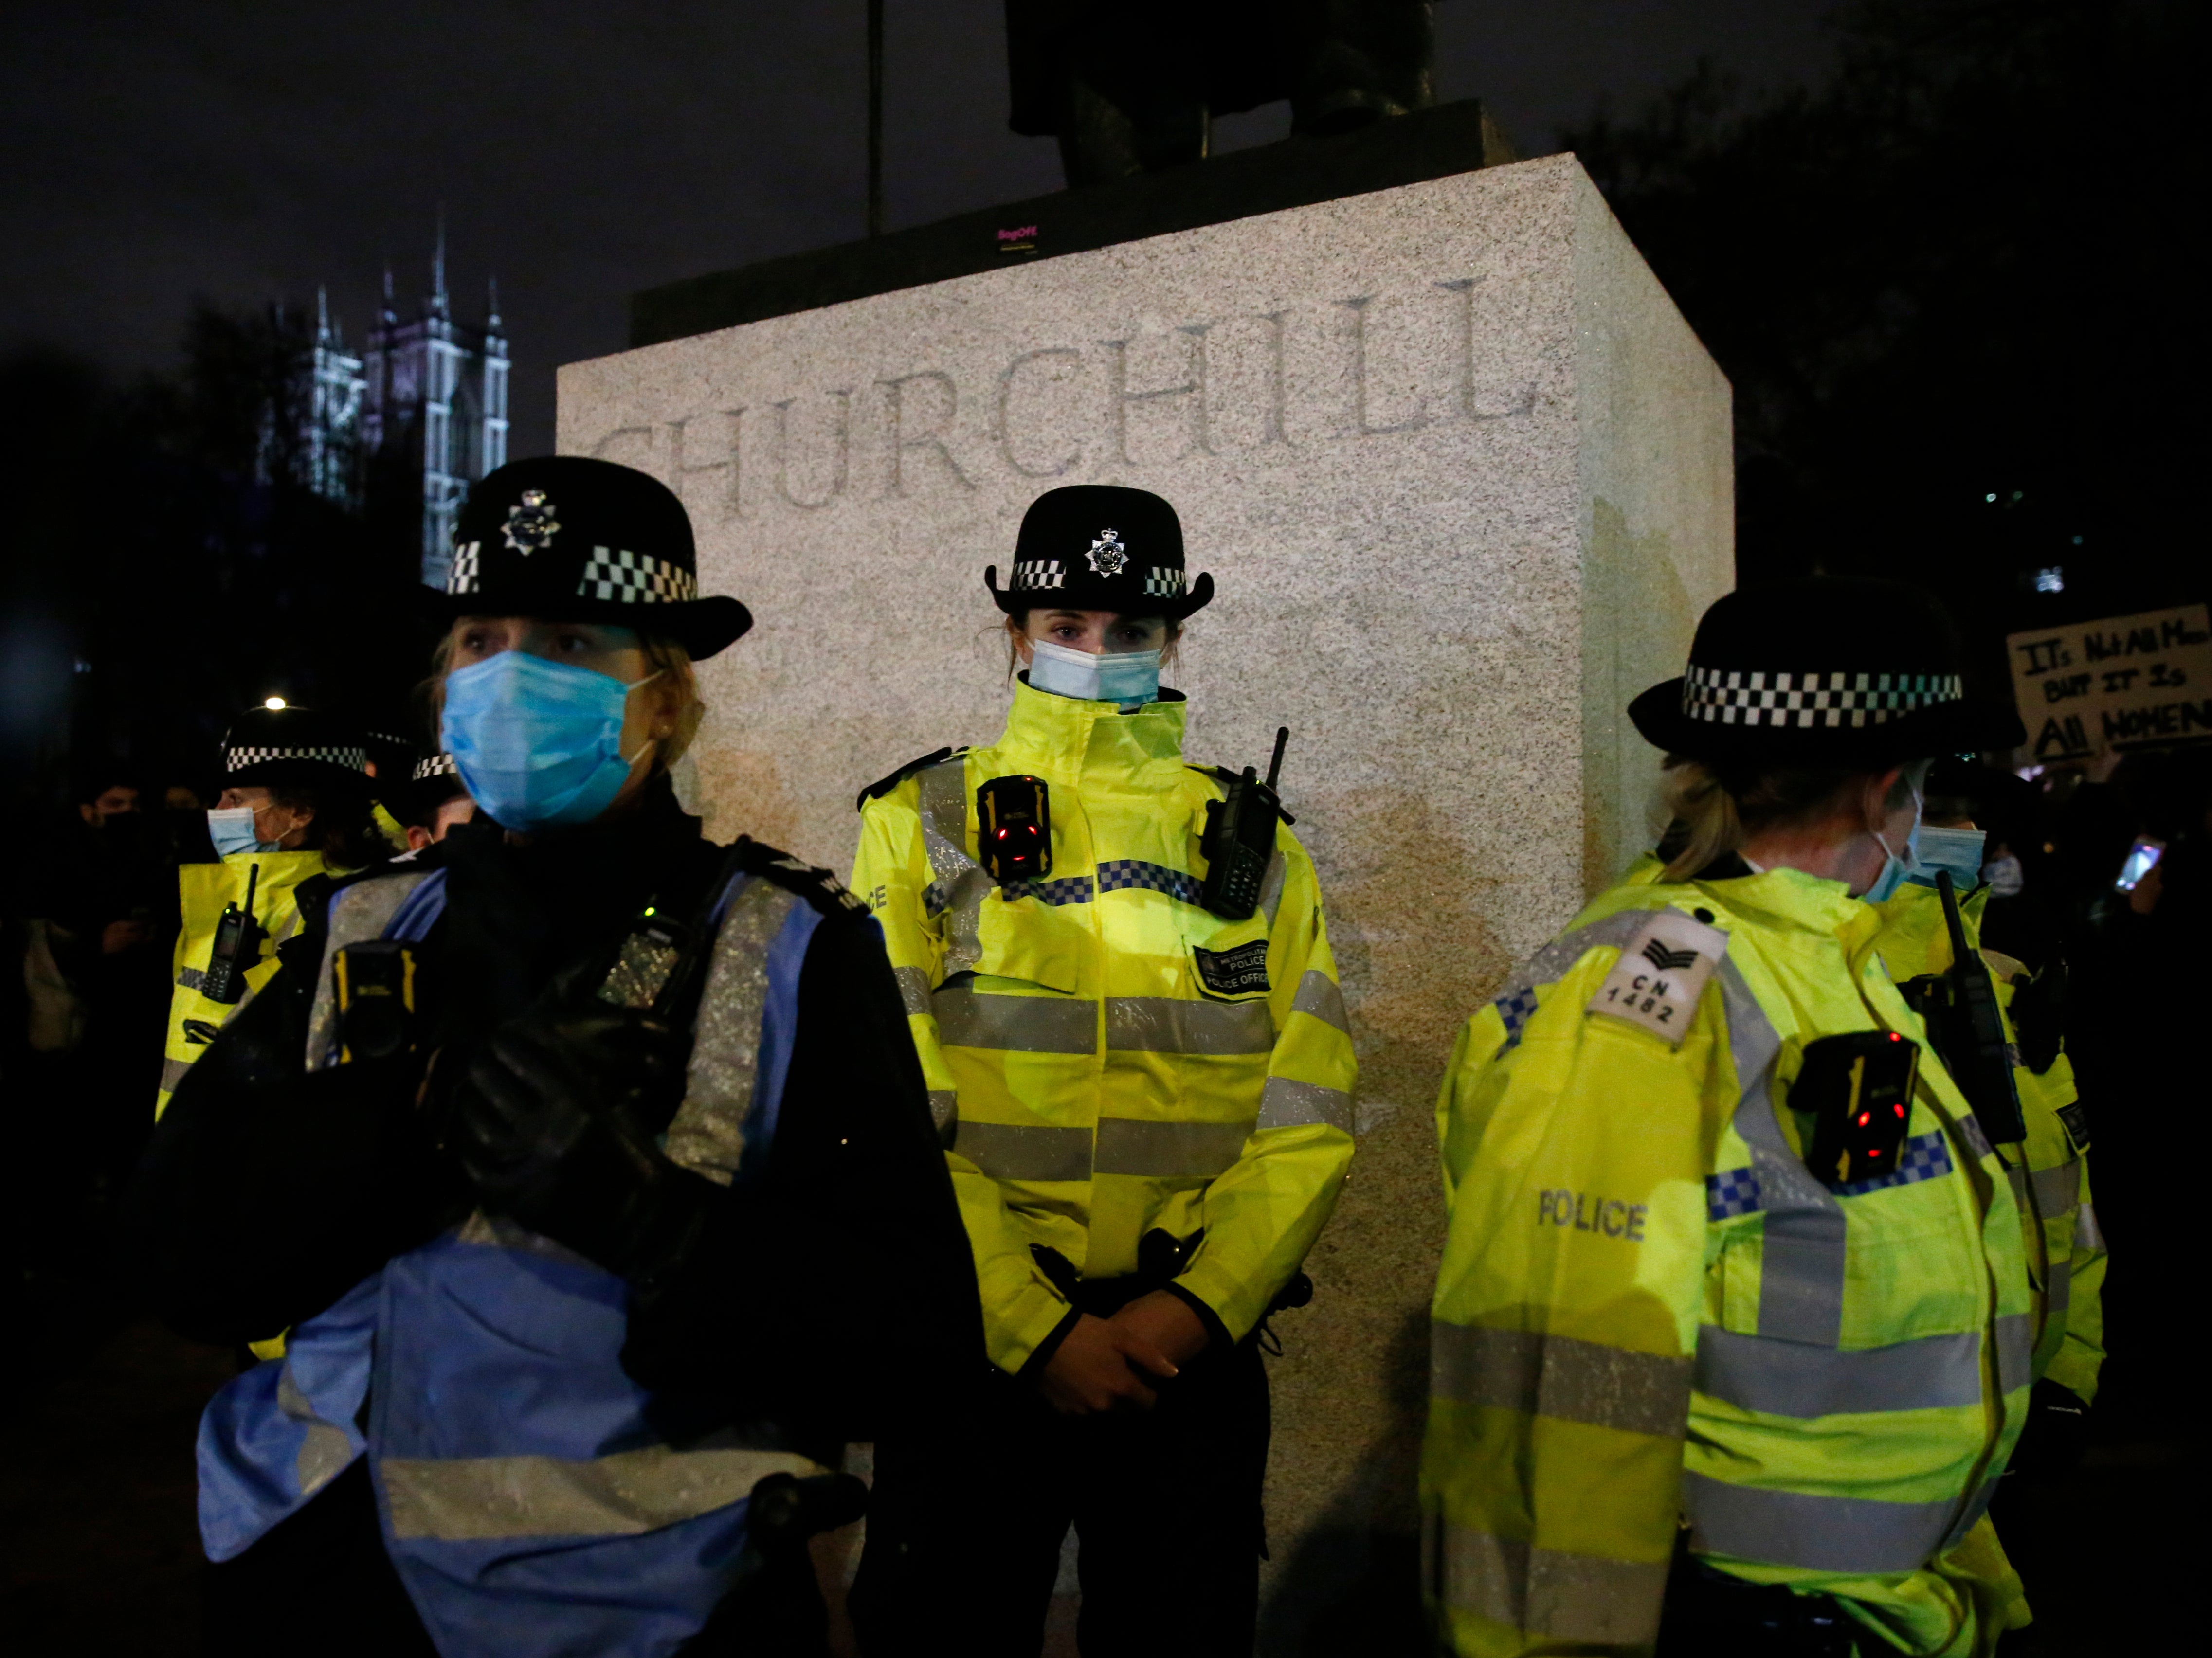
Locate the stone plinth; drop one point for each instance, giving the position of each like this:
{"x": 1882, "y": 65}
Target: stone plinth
{"x": 1462, "y": 475}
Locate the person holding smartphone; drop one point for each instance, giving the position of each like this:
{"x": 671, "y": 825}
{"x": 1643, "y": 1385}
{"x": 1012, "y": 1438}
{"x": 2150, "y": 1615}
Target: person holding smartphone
{"x": 1732, "y": 1336}
{"x": 1142, "y": 1075}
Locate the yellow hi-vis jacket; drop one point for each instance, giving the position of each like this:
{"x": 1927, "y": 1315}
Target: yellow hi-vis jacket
{"x": 1105, "y": 1057}
{"x": 2050, "y": 1171}
{"x": 1651, "y": 1314}
{"x": 205, "y": 890}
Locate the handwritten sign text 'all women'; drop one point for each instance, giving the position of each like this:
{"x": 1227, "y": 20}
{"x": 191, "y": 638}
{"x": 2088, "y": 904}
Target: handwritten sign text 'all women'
{"x": 2127, "y": 681}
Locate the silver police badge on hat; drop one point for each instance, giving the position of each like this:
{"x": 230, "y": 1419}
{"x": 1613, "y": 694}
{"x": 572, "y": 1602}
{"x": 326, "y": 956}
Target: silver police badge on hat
{"x": 1107, "y": 555}
{"x": 532, "y": 525}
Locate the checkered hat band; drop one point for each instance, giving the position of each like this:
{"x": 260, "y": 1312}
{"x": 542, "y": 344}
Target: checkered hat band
{"x": 1164, "y": 582}
{"x": 1733, "y": 696}
{"x": 351, "y": 759}
{"x": 438, "y": 765}
{"x": 628, "y": 577}
{"x": 467, "y": 573}
{"x": 1032, "y": 573}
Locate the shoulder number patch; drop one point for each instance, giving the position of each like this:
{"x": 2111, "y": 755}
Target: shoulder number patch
{"x": 1239, "y": 972}
{"x": 1660, "y": 974}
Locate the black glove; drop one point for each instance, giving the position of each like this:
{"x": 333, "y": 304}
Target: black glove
{"x": 2056, "y": 1436}
{"x": 543, "y": 1120}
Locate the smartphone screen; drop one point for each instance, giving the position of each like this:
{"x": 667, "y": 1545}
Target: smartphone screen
{"x": 2142, "y": 857}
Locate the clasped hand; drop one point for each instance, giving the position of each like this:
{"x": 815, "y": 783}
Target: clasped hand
{"x": 539, "y": 1121}
{"x": 1113, "y": 1363}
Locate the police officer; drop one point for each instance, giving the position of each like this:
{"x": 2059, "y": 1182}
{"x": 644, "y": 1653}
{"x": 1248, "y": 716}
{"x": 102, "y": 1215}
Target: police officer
{"x": 1732, "y": 1335}
{"x": 295, "y": 807}
{"x": 2042, "y": 1134}
{"x": 1143, "y": 1085}
{"x": 435, "y": 801}
{"x": 605, "y": 1182}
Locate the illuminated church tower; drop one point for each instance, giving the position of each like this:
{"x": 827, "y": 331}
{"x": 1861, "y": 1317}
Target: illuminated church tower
{"x": 434, "y": 410}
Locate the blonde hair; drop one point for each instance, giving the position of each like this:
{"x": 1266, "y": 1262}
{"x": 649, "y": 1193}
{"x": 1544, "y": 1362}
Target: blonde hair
{"x": 667, "y": 658}
{"x": 1714, "y": 811}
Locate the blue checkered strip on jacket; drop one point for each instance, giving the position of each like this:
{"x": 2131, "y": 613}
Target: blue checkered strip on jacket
{"x": 1117, "y": 873}
{"x": 1069, "y": 890}
{"x": 1515, "y": 1008}
{"x": 1731, "y": 1193}
{"x": 1924, "y": 1156}
{"x": 630, "y": 578}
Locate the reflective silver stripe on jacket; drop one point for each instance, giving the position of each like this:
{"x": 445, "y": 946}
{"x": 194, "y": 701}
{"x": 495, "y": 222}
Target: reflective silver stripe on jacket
{"x": 358, "y": 915}
{"x": 1786, "y": 1378}
{"x": 172, "y": 1072}
{"x": 1560, "y": 1377}
{"x": 1271, "y": 888}
{"x": 324, "y": 1452}
{"x": 2057, "y": 1190}
{"x": 467, "y": 1498}
{"x": 913, "y": 988}
{"x": 1816, "y": 1534}
{"x": 1014, "y": 1025}
{"x": 2058, "y": 1293}
{"x": 944, "y": 1112}
{"x": 2088, "y": 1234}
{"x": 1018, "y": 1151}
{"x": 1286, "y": 1103}
{"x": 1973, "y": 1511}
{"x": 1800, "y": 1293}
{"x": 1567, "y": 1597}
{"x": 192, "y": 978}
{"x": 1168, "y": 1151}
{"x": 1320, "y": 995}
{"x": 960, "y": 885}
{"x": 1170, "y": 1024}
{"x": 707, "y": 1134}
{"x": 2016, "y": 1334}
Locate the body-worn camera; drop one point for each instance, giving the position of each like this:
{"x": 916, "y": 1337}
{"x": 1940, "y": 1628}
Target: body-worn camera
{"x": 1013, "y": 835}
{"x": 374, "y": 983}
{"x": 1857, "y": 1089}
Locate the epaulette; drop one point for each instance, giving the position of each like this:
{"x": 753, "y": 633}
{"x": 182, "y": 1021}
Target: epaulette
{"x": 817, "y": 886}
{"x": 884, "y": 785}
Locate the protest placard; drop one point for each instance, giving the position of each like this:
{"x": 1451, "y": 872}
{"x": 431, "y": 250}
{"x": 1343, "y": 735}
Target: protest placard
{"x": 2126, "y": 681}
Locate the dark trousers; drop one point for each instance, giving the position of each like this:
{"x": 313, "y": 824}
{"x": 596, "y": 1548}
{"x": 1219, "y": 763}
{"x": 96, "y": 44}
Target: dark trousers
{"x": 1165, "y": 1506}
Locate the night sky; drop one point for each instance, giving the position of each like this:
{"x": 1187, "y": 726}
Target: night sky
{"x": 157, "y": 153}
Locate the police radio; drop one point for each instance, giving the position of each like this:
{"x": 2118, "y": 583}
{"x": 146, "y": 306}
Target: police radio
{"x": 237, "y": 947}
{"x": 1857, "y": 1087}
{"x": 1239, "y": 841}
{"x": 1013, "y": 835}
{"x": 1967, "y": 1027}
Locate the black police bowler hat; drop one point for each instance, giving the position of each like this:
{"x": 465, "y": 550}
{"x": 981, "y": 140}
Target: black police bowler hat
{"x": 567, "y": 538}
{"x": 269, "y": 748}
{"x": 1100, "y": 547}
{"x": 1822, "y": 670}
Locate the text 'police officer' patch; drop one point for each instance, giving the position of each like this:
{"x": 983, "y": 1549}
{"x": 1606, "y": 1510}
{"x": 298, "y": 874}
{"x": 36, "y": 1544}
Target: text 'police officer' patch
{"x": 1660, "y": 974}
{"x": 1239, "y": 972}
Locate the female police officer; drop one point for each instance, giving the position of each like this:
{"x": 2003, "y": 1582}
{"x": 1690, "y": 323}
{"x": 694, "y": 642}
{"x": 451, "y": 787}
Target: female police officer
{"x": 1143, "y": 1077}
{"x": 581, "y": 1206}
{"x": 1729, "y": 1258}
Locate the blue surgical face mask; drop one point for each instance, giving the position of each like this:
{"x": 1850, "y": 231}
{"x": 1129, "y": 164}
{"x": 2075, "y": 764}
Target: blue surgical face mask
{"x": 1894, "y": 869}
{"x": 536, "y": 742}
{"x": 231, "y": 829}
{"x": 1957, "y": 850}
{"x": 1129, "y": 677}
